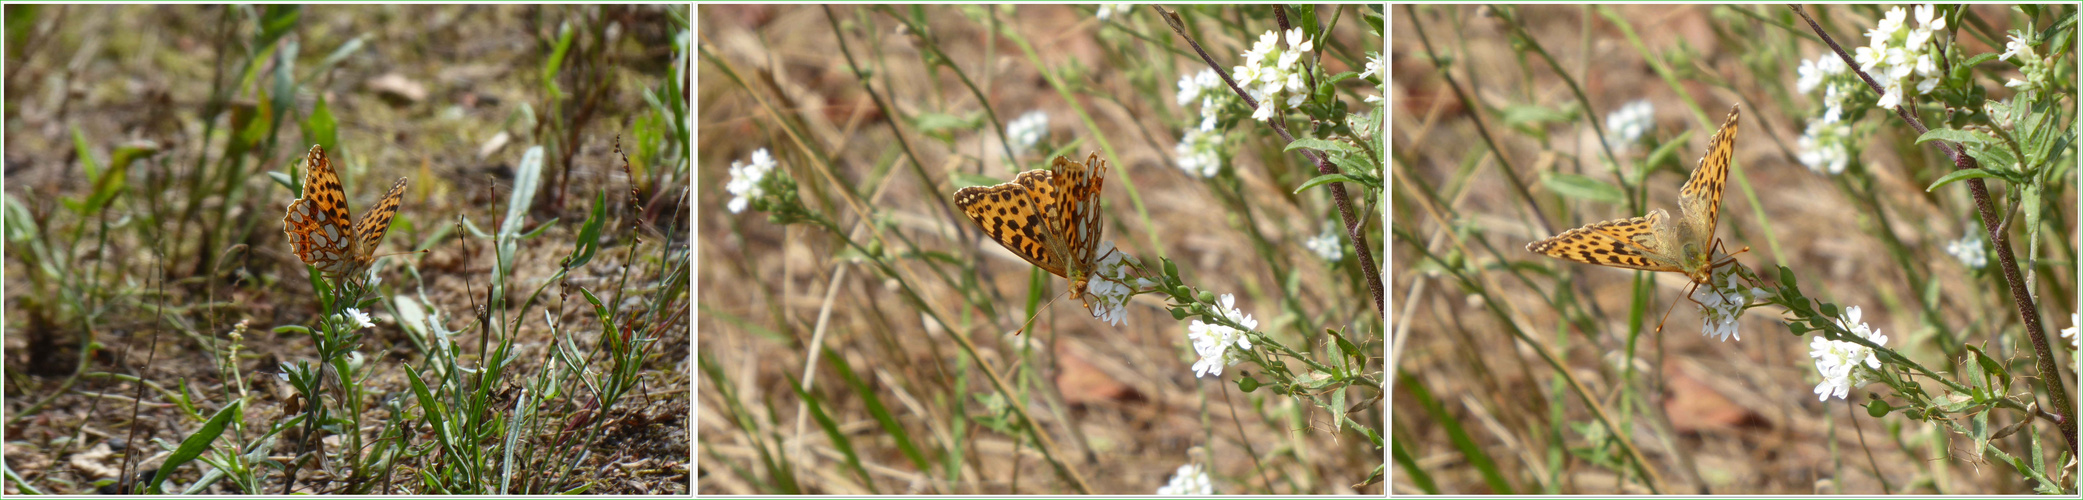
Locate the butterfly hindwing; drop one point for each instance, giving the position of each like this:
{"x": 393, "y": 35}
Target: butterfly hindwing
{"x": 377, "y": 221}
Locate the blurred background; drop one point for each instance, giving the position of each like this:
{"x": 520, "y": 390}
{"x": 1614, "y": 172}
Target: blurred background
{"x": 1495, "y": 147}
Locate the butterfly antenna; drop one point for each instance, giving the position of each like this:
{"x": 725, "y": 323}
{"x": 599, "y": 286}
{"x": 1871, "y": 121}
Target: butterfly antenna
{"x": 1674, "y": 305}
{"x": 1037, "y": 314}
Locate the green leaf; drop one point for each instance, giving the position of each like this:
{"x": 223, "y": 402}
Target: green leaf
{"x": 1960, "y": 175}
{"x": 1582, "y": 187}
{"x": 198, "y": 442}
{"x": 1320, "y": 145}
{"x": 1325, "y": 179}
{"x": 1956, "y": 135}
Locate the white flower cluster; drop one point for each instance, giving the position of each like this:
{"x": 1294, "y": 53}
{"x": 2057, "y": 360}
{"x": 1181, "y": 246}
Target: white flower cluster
{"x": 1969, "y": 250}
{"x": 1326, "y": 244}
{"x": 1109, "y": 10}
{"x": 1899, "y": 57}
{"x": 745, "y": 179}
{"x": 1026, "y": 131}
{"x": 1190, "y": 480}
{"x": 2038, "y": 74}
{"x": 1110, "y": 287}
{"x": 1269, "y": 70}
{"x": 1825, "y": 146}
{"x": 1838, "y": 361}
{"x": 1721, "y": 306}
{"x": 1200, "y": 149}
{"x": 1630, "y": 123}
{"x": 1213, "y": 342}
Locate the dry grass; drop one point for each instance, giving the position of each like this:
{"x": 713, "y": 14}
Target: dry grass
{"x": 1121, "y": 402}
{"x": 1711, "y": 417}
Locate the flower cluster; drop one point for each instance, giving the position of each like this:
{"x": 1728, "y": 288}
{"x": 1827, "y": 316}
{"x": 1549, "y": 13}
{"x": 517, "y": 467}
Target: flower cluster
{"x": 1722, "y": 305}
{"x": 1026, "y": 131}
{"x": 1326, "y": 244}
{"x": 1189, "y": 480}
{"x": 745, "y": 179}
{"x": 1838, "y": 361}
{"x": 1969, "y": 250}
{"x": 1901, "y": 58}
{"x": 1269, "y": 70}
{"x": 2039, "y": 74}
{"x": 1109, "y": 10}
{"x": 1213, "y": 342}
{"x": 1111, "y": 285}
{"x": 1200, "y": 149}
{"x": 1629, "y": 124}
{"x": 1826, "y": 146}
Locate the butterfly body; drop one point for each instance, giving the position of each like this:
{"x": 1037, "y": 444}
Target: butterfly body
{"x": 1048, "y": 217}
{"x": 1657, "y": 242}
{"x": 318, "y": 225}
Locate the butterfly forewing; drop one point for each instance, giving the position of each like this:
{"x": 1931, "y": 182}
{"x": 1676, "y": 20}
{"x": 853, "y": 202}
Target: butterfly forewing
{"x": 1699, "y": 201}
{"x": 317, "y": 222}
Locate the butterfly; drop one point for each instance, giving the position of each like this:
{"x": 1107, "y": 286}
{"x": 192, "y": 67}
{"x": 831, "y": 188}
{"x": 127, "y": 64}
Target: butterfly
{"x": 1655, "y": 242}
{"x": 317, "y": 223}
{"x": 1049, "y": 217}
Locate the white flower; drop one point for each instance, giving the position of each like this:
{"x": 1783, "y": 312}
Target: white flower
{"x": 1810, "y": 75}
{"x": 1027, "y": 130}
{"x": 2019, "y": 48}
{"x": 1200, "y": 153}
{"x": 745, "y": 177}
{"x": 1890, "y": 24}
{"x": 2070, "y": 332}
{"x": 1927, "y": 18}
{"x": 1214, "y": 342}
{"x": 1326, "y": 244}
{"x": 1189, "y": 480}
{"x": 1631, "y": 122}
{"x": 1893, "y": 97}
{"x": 1374, "y": 68}
{"x": 1108, "y": 10}
{"x": 1838, "y": 361}
{"x": 1969, "y": 250}
{"x": 353, "y": 319}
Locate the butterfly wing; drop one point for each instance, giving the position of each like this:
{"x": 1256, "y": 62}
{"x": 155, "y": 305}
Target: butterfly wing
{"x": 317, "y": 223}
{"x": 1078, "y": 186}
{"x": 377, "y": 222}
{"x": 1012, "y": 214}
{"x": 1628, "y": 243}
{"x": 1699, "y": 201}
